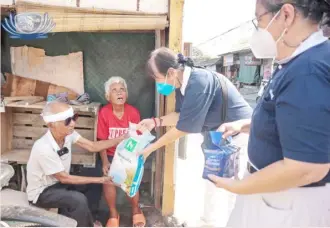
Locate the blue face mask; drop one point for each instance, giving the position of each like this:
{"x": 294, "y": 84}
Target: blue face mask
{"x": 164, "y": 88}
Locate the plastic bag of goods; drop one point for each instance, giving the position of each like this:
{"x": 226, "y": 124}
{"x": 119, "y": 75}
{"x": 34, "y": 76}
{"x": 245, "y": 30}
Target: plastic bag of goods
{"x": 222, "y": 158}
{"x": 127, "y": 168}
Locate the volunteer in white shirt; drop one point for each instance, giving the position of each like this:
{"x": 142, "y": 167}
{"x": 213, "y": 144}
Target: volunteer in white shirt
{"x": 49, "y": 183}
{"x": 288, "y": 178}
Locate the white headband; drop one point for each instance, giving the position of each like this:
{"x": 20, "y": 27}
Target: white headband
{"x": 58, "y": 116}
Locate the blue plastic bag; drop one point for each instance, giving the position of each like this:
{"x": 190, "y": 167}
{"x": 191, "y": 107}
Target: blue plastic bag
{"x": 222, "y": 159}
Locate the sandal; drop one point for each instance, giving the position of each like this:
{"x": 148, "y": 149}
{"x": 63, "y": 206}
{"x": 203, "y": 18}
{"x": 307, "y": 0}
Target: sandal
{"x": 139, "y": 219}
{"x": 113, "y": 222}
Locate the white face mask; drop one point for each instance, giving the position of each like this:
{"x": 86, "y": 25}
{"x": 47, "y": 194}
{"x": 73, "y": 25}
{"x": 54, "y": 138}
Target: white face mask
{"x": 262, "y": 43}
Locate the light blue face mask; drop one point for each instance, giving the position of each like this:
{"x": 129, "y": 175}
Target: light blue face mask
{"x": 164, "y": 88}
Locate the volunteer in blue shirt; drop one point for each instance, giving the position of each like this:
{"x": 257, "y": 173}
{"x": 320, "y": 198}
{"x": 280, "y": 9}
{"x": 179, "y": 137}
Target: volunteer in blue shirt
{"x": 198, "y": 98}
{"x": 288, "y": 178}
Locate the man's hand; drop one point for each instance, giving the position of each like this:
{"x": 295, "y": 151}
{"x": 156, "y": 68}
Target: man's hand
{"x": 105, "y": 167}
{"x": 106, "y": 180}
{"x": 123, "y": 137}
{"x": 146, "y": 125}
{"x": 233, "y": 128}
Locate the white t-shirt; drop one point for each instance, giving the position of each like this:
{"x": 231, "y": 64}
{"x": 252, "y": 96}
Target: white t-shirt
{"x": 44, "y": 161}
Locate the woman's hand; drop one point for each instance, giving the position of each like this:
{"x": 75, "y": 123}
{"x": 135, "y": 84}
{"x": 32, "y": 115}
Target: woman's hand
{"x": 146, "y": 125}
{"x": 222, "y": 182}
{"x": 146, "y": 152}
{"x": 229, "y": 129}
{"x": 233, "y": 128}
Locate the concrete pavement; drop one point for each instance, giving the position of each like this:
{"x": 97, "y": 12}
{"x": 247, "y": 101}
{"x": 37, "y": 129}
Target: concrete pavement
{"x": 197, "y": 201}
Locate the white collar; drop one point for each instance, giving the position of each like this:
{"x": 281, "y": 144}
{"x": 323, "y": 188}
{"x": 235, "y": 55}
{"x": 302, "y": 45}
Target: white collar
{"x": 185, "y": 79}
{"x": 52, "y": 141}
{"x": 315, "y": 39}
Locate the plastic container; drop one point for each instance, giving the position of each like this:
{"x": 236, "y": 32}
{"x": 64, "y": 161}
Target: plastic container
{"x": 222, "y": 159}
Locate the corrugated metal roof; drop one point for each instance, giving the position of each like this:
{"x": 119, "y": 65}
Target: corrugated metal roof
{"x": 234, "y": 41}
{"x": 208, "y": 62}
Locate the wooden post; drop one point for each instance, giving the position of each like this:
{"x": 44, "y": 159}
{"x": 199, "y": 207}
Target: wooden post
{"x": 158, "y": 163}
{"x": 175, "y": 43}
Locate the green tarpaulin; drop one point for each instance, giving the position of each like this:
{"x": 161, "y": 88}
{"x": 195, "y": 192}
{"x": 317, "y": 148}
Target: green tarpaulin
{"x": 105, "y": 55}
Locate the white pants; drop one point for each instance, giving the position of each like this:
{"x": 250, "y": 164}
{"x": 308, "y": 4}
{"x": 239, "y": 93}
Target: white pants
{"x": 219, "y": 203}
{"x": 297, "y": 207}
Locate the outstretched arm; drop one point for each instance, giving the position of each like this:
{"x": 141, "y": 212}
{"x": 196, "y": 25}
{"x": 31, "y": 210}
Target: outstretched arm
{"x": 66, "y": 178}
{"x": 99, "y": 145}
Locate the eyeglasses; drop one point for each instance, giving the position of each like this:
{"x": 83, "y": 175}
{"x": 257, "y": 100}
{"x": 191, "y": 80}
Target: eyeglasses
{"x": 67, "y": 121}
{"x": 256, "y": 20}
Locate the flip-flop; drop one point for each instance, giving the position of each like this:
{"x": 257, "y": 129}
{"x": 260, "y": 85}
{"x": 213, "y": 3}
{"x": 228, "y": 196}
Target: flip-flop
{"x": 139, "y": 219}
{"x": 97, "y": 224}
{"x": 113, "y": 222}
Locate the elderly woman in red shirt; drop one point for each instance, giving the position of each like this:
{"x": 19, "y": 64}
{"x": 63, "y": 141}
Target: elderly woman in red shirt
{"x": 114, "y": 119}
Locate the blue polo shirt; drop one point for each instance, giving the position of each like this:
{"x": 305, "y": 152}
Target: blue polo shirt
{"x": 292, "y": 119}
{"x": 200, "y": 106}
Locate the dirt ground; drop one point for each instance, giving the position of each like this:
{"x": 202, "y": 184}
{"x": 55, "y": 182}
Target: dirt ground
{"x": 153, "y": 216}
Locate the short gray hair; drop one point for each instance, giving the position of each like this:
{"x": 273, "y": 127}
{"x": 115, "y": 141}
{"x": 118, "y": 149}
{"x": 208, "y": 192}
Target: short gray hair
{"x": 48, "y": 108}
{"x": 112, "y": 80}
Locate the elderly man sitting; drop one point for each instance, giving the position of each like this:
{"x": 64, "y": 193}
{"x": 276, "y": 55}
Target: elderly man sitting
{"x": 114, "y": 119}
{"x": 49, "y": 183}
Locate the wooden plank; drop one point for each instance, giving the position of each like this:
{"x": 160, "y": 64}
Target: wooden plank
{"x": 52, "y": 2}
{"x": 36, "y": 120}
{"x": 4, "y": 135}
{"x": 90, "y": 108}
{"x": 175, "y": 43}
{"x": 27, "y": 110}
{"x": 22, "y": 6}
{"x": 158, "y": 162}
{"x": 20, "y": 86}
{"x": 22, "y": 143}
{"x": 32, "y": 63}
{"x": 21, "y": 156}
{"x": 30, "y": 101}
{"x": 26, "y": 118}
{"x": 9, "y": 121}
{"x": 129, "y": 5}
{"x": 37, "y": 132}
{"x": 19, "y": 98}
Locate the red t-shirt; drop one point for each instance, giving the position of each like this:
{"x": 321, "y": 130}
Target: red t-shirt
{"x": 109, "y": 126}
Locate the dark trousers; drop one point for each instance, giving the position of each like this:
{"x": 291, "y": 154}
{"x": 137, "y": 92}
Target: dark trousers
{"x": 93, "y": 192}
{"x": 69, "y": 201}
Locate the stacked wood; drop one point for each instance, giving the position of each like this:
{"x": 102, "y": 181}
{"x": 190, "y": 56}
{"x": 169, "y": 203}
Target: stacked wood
{"x": 20, "y": 86}
{"x": 68, "y": 19}
{"x": 63, "y": 70}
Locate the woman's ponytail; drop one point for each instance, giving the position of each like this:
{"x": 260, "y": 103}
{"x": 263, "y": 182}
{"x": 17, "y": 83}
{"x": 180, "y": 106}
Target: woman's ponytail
{"x": 327, "y": 13}
{"x": 185, "y": 61}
